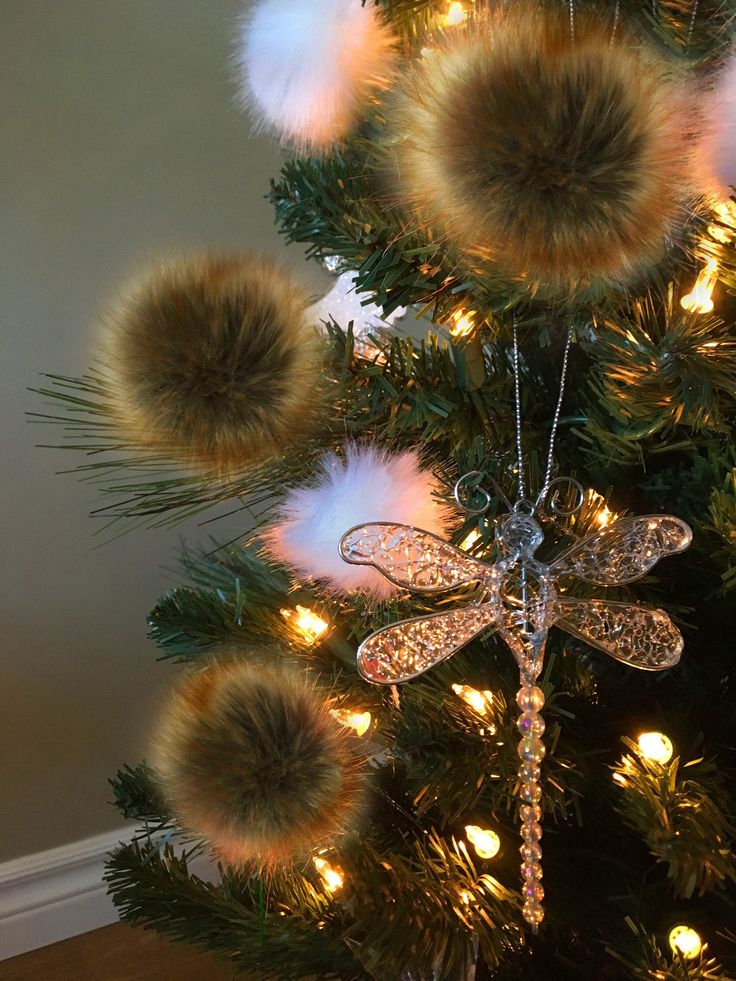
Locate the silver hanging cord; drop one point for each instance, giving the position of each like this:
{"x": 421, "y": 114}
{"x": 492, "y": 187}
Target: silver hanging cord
{"x": 555, "y": 420}
{"x": 693, "y": 15}
{"x": 616, "y": 14}
{"x": 521, "y": 491}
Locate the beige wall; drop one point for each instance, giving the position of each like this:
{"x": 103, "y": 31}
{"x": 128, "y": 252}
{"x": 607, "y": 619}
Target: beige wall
{"x": 118, "y": 139}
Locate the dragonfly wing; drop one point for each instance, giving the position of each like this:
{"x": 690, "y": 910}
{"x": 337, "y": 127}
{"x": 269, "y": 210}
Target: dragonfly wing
{"x": 624, "y": 551}
{"x": 411, "y": 558}
{"x": 407, "y": 649}
{"x": 638, "y": 636}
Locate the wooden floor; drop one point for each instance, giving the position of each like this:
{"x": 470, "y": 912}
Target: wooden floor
{"x": 115, "y": 953}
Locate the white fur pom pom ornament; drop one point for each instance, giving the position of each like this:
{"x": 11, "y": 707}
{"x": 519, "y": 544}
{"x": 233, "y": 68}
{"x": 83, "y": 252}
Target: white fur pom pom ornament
{"x": 370, "y": 484}
{"x": 719, "y": 139}
{"x": 307, "y": 66}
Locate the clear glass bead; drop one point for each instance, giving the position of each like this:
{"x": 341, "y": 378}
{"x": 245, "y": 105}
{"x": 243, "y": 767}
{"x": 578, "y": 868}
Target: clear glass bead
{"x": 532, "y": 890}
{"x": 531, "y": 723}
{"x": 530, "y": 699}
{"x": 531, "y": 851}
{"x": 530, "y": 793}
{"x": 531, "y": 749}
{"x": 530, "y": 772}
{"x": 532, "y": 912}
{"x": 531, "y": 831}
{"x": 531, "y": 870}
{"x": 530, "y": 812}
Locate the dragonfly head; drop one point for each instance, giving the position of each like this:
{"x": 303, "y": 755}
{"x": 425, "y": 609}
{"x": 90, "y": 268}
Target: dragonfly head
{"x": 519, "y": 533}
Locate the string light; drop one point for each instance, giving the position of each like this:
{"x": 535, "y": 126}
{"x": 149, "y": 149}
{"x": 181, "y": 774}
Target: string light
{"x": 723, "y": 232}
{"x": 655, "y": 746}
{"x": 456, "y": 14}
{"x": 359, "y": 721}
{"x": 686, "y": 941}
{"x": 603, "y": 515}
{"x": 479, "y": 701}
{"x": 463, "y": 324}
{"x": 307, "y": 622}
{"x": 470, "y": 539}
{"x": 701, "y": 298}
{"x": 332, "y": 879}
{"x": 485, "y": 842}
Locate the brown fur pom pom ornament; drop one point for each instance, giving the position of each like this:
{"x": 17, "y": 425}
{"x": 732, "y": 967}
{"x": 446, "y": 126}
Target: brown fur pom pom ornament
{"x": 250, "y": 759}
{"x": 559, "y": 163}
{"x": 213, "y": 362}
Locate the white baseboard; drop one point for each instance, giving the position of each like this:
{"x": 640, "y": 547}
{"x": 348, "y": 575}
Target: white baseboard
{"x": 56, "y": 894}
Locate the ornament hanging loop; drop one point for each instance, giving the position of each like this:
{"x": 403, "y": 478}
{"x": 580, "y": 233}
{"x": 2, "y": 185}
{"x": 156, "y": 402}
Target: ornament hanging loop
{"x": 468, "y": 493}
{"x": 563, "y": 497}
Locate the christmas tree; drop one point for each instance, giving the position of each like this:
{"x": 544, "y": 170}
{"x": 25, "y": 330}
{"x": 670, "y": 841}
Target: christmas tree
{"x": 447, "y": 618}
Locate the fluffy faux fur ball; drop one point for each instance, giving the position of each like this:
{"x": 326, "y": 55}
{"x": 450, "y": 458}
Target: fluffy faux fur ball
{"x": 307, "y": 67}
{"x": 563, "y": 166}
{"x": 250, "y": 759}
{"x": 213, "y": 362}
{"x": 370, "y": 484}
{"x": 718, "y": 141}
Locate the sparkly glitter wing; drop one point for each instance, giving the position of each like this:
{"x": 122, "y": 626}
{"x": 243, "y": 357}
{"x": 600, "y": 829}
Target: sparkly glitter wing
{"x": 405, "y": 650}
{"x": 640, "y": 637}
{"x": 625, "y": 551}
{"x": 411, "y": 558}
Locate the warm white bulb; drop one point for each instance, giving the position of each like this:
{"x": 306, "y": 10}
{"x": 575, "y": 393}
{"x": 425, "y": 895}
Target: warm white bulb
{"x": 486, "y": 842}
{"x": 701, "y": 298}
{"x": 456, "y": 14}
{"x": 686, "y": 941}
{"x": 479, "y": 701}
{"x": 306, "y": 622}
{"x": 463, "y": 323}
{"x": 655, "y": 746}
{"x": 333, "y": 880}
{"x": 359, "y": 721}
{"x": 470, "y": 539}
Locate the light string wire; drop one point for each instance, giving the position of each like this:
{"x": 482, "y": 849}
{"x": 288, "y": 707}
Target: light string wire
{"x": 555, "y": 419}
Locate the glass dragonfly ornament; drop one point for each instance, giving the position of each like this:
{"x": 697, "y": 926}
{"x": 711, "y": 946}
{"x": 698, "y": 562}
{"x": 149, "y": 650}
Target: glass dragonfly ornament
{"x": 518, "y": 599}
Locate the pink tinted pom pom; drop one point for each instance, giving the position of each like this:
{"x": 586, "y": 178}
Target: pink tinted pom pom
{"x": 370, "y": 484}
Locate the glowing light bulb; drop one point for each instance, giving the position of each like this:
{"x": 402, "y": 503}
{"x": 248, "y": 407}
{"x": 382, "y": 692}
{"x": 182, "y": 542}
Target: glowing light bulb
{"x": 655, "y": 746}
{"x": 306, "y": 622}
{"x": 486, "y": 842}
{"x": 700, "y": 300}
{"x": 359, "y": 721}
{"x": 479, "y": 701}
{"x": 466, "y": 897}
{"x": 463, "y": 324}
{"x": 686, "y": 940}
{"x": 605, "y": 516}
{"x": 456, "y": 14}
{"x": 470, "y": 539}
{"x": 332, "y": 879}
{"x": 725, "y": 214}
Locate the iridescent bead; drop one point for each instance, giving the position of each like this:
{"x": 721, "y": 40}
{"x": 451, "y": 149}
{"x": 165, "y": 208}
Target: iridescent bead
{"x": 530, "y": 772}
{"x": 532, "y": 890}
{"x": 530, "y": 699}
{"x": 531, "y": 851}
{"x": 531, "y": 831}
{"x": 530, "y": 723}
{"x": 532, "y": 912}
{"x": 531, "y": 870}
{"x": 531, "y": 749}
{"x": 530, "y": 812}
{"x": 530, "y": 793}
